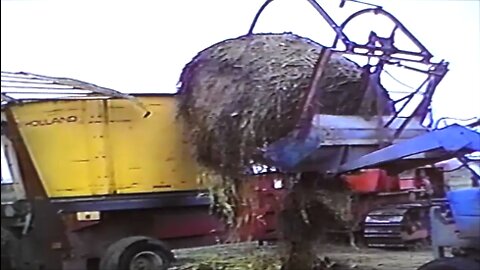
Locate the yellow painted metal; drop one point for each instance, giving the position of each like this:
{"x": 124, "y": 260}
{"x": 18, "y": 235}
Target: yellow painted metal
{"x": 106, "y": 146}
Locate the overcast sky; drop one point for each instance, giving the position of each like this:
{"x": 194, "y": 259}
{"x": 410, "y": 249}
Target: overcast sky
{"x": 141, "y": 46}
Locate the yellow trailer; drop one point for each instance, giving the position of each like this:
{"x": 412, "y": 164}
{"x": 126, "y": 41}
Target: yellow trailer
{"x": 94, "y": 147}
{"x": 103, "y": 181}
{"x": 99, "y": 173}
{"x": 101, "y": 177}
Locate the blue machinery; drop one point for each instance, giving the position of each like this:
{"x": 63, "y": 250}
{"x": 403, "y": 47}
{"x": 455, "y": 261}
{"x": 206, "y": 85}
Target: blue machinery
{"x": 458, "y": 230}
{"x": 338, "y": 144}
{"x": 438, "y": 145}
{"x": 333, "y": 144}
{"x": 349, "y": 144}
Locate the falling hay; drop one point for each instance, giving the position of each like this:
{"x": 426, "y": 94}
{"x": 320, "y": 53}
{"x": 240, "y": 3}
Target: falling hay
{"x": 242, "y": 94}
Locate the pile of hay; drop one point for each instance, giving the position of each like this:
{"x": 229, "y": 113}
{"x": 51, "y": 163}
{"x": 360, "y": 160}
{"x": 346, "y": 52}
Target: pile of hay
{"x": 244, "y": 93}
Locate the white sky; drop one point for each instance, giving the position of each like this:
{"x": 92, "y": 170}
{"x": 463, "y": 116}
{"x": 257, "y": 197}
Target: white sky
{"x": 6, "y": 175}
{"x": 141, "y": 45}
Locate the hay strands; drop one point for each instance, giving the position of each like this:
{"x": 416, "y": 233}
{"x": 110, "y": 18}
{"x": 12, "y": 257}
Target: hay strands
{"x": 300, "y": 143}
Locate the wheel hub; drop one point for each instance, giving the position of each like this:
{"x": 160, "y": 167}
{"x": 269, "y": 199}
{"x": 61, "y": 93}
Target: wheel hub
{"x": 146, "y": 260}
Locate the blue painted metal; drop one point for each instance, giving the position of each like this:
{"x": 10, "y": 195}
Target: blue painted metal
{"x": 452, "y": 141}
{"x": 290, "y": 151}
{"x": 462, "y": 230}
{"x": 444, "y": 234}
{"x": 442, "y": 144}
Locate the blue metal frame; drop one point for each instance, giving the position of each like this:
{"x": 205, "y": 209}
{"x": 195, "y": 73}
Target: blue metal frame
{"x": 449, "y": 142}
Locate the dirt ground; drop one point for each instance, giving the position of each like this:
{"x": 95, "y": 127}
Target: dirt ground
{"x": 380, "y": 259}
{"x": 243, "y": 257}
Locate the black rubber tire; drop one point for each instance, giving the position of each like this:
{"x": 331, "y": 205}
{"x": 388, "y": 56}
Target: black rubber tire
{"x": 10, "y": 249}
{"x": 455, "y": 263}
{"x": 119, "y": 255}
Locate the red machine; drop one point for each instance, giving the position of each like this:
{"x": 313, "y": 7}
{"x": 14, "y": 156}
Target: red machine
{"x": 392, "y": 211}
{"x": 257, "y": 216}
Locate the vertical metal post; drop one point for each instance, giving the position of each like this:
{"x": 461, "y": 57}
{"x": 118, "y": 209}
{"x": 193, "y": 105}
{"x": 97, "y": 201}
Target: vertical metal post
{"x": 309, "y": 107}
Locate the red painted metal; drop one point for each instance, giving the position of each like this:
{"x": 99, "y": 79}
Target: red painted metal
{"x": 408, "y": 183}
{"x": 372, "y": 180}
{"x": 260, "y": 207}
{"x": 191, "y": 223}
